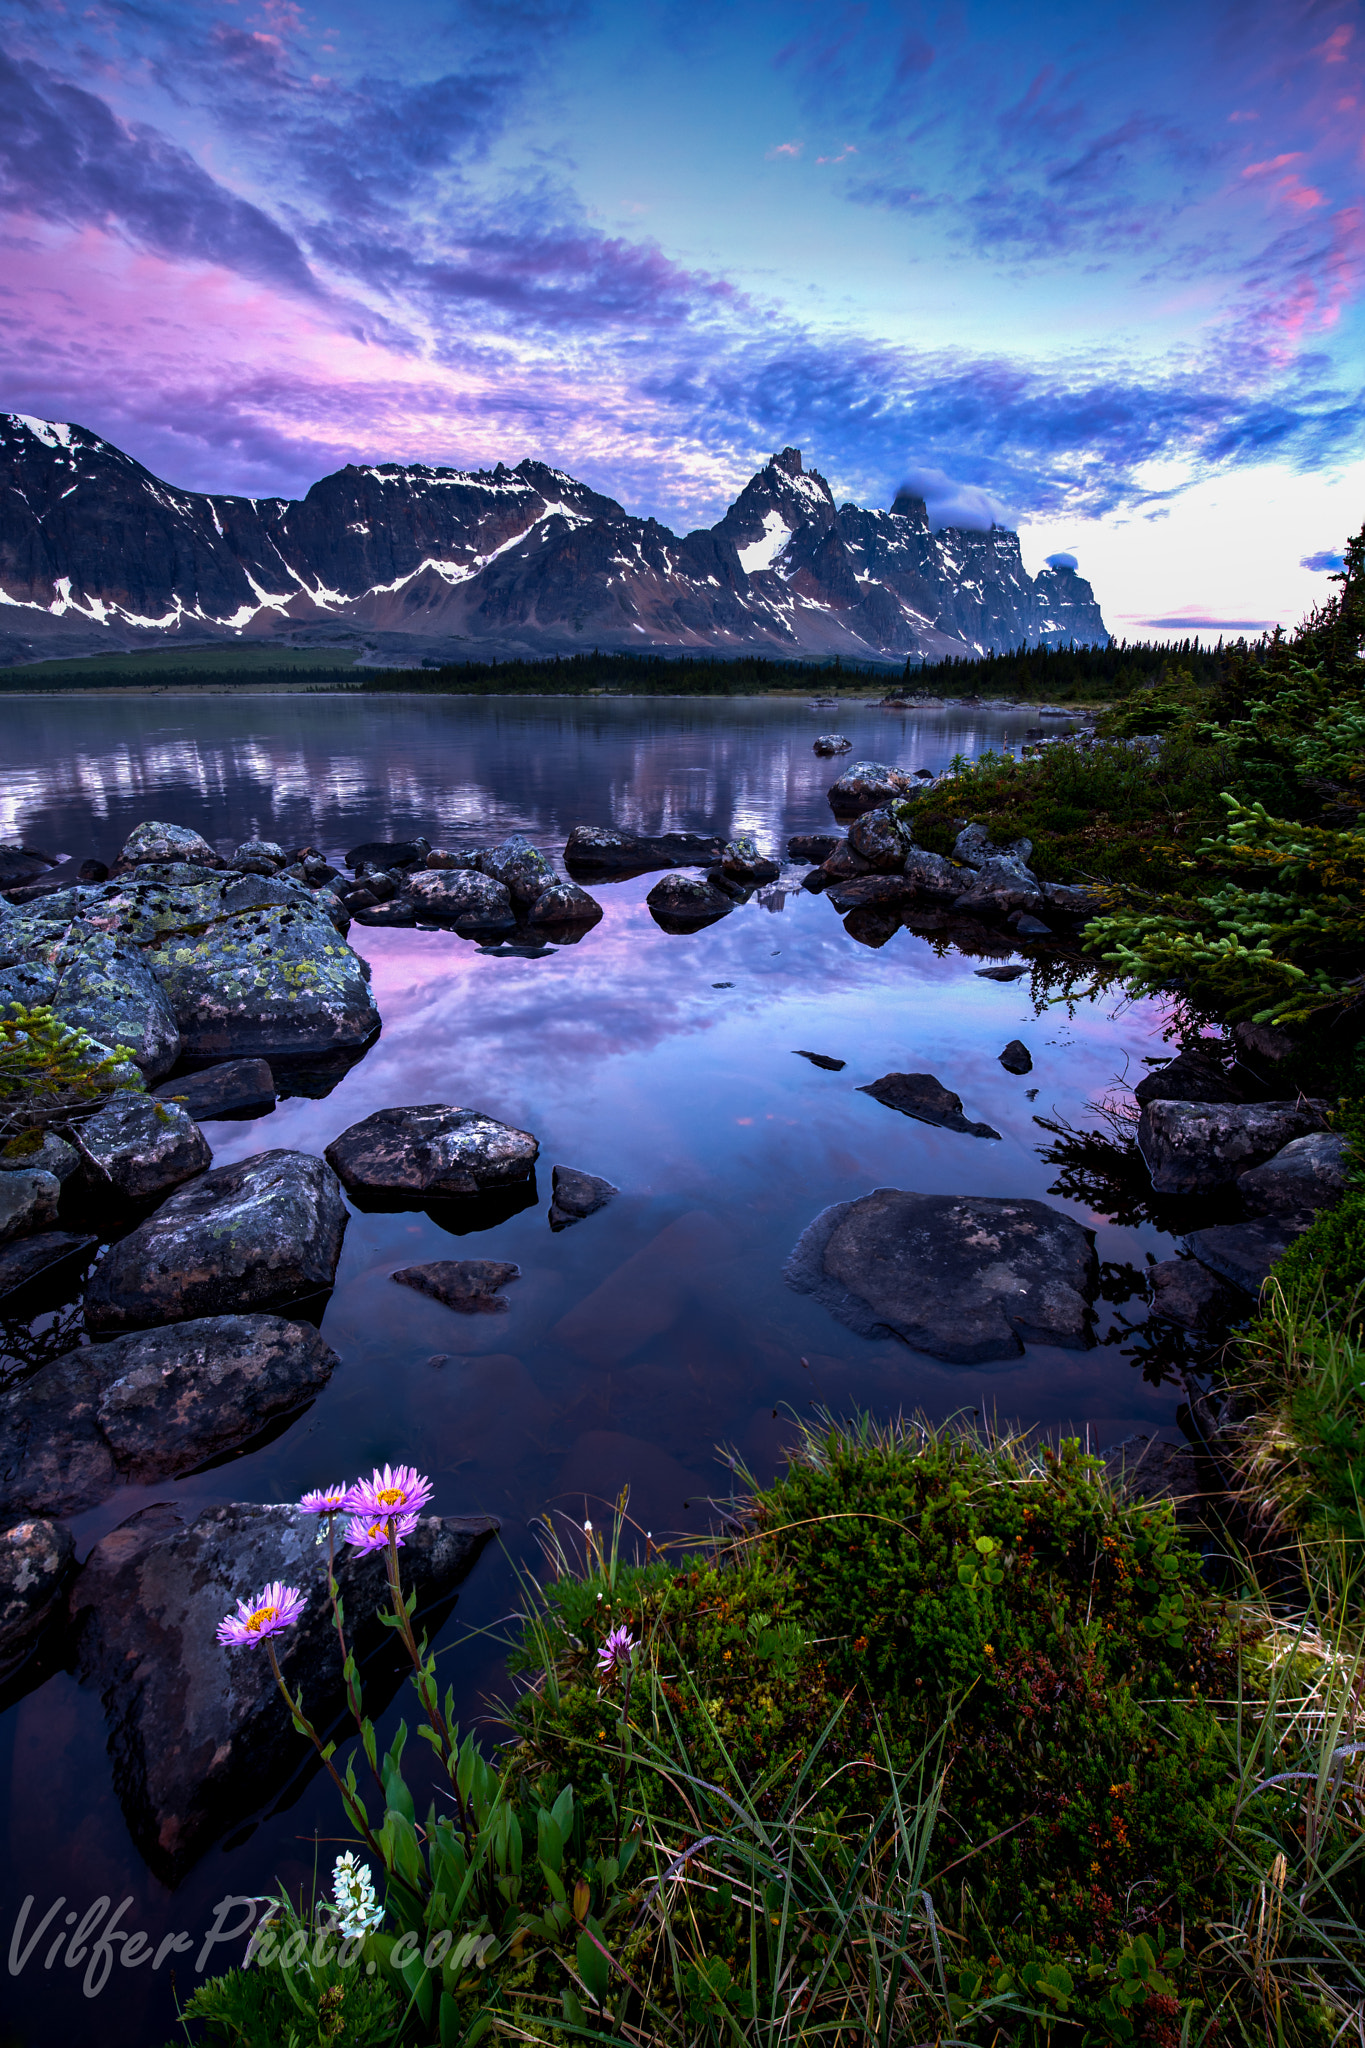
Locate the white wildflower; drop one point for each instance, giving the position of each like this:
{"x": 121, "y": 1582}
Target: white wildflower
{"x": 353, "y": 1893}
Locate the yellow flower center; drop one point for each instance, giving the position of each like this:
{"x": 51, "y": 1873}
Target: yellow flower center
{"x": 392, "y": 1497}
{"x": 377, "y": 1532}
{"x": 259, "y": 1619}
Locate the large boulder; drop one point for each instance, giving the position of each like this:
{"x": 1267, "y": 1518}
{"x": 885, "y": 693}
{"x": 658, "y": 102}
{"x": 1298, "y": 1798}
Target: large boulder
{"x": 28, "y": 1202}
{"x": 154, "y": 841}
{"x": 831, "y": 743}
{"x": 861, "y": 890}
{"x": 1242, "y": 1253}
{"x": 564, "y": 903}
{"x": 254, "y": 892}
{"x": 430, "y": 1153}
{"x": 1000, "y": 886}
{"x": 1304, "y": 1176}
{"x": 261, "y": 1234}
{"x": 137, "y": 1150}
{"x": 966, "y": 1278}
{"x": 607, "y": 850}
{"x": 681, "y": 903}
{"x": 96, "y": 982}
{"x": 276, "y": 981}
{"x": 883, "y": 838}
{"x": 924, "y": 1097}
{"x": 931, "y": 878}
{"x": 150, "y": 1406}
{"x": 864, "y": 785}
{"x": 521, "y": 868}
{"x": 198, "y": 1734}
{"x": 1191, "y": 1147}
{"x": 463, "y": 897}
{"x": 36, "y": 1560}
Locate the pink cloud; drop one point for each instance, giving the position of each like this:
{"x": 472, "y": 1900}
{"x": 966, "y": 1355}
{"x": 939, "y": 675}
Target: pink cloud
{"x": 1333, "y": 51}
{"x": 849, "y": 149}
{"x": 790, "y": 149}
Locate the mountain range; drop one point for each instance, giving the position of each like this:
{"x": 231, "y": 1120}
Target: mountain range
{"x": 419, "y": 564}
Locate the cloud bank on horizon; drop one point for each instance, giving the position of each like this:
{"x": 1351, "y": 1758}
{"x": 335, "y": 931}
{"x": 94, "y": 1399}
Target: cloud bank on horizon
{"x": 1088, "y": 272}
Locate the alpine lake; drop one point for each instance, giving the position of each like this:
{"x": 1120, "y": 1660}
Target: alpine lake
{"x": 651, "y": 1343}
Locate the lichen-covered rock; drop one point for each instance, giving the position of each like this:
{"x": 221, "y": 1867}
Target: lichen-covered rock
{"x": 138, "y": 1150}
{"x": 463, "y": 897}
{"x": 931, "y": 878}
{"x": 742, "y": 861}
{"x": 683, "y": 902}
{"x": 250, "y": 892}
{"x": 866, "y": 784}
{"x": 150, "y": 1406}
{"x": 1192, "y": 1146}
{"x": 96, "y": 983}
{"x": 966, "y": 1278}
{"x": 521, "y": 868}
{"x": 39, "y": 1151}
{"x": 831, "y": 743}
{"x": 974, "y": 847}
{"x": 1304, "y": 1176}
{"x": 564, "y": 903}
{"x": 154, "y": 841}
{"x": 28, "y": 1202}
{"x": 430, "y": 1153}
{"x": 882, "y": 838}
{"x": 197, "y": 1732}
{"x": 264, "y": 851}
{"x": 278, "y": 980}
{"x": 576, "y": 1195}
{"x": 36, "y": 1560}
{"x": 261, "y": 1234}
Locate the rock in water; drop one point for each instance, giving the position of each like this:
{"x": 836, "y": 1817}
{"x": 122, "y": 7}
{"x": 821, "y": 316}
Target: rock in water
{"x": 154, "y": 841}
{"x": 813, "y": 845}
{"x": 883, "y": 839}
{"x": 999, "y": 973}
{"x": 1242, "y": 1252}
{"x": 924, "y": 1097}
{"x": 261, "y": 1234}
{"x": 401, "y": 853}
{"x": 1304, "y": 1176}
{"x": 681, "y": 903}
{"x": 150, "y": 1406}
{"x": 576, "y": 1195}
{"x": 866, "y": 784}
{"x": 429, "y": 1153}
{"x": 564, "y": 903}
{"x": 35, "y": 1272}
{"x": 36, "y": 1560}
{"x": 603, "y": 850}
{"x": 1190, "y": 1147}
{"x": 521, "y": 868}
{"x": 965, "y": 1278}
{"x": 278, "y": 980}
{"x": 96, "y": 983}
{"x": 461, "y": 896}
{"x": 831, "y": 743}
{"x": 199, "y": 1735}
{"x": 1192, "y": 1076}
{"x": 469, "y": 1285}
{"x": 141, "y": 1149}
{"x": 931, "y": 878}
{"x": 236, "y": 1088}
{"x": 862, "y": 890}
{"x": 821, "y": 1059}
{"x": 1187, "y": 1293}
{"x": 1016, "y": 1058}
{"x": 742, "y": 861}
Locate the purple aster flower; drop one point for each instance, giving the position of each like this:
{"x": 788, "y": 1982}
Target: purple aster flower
{"x": 371, "y": 1532}
{"x": 326, "y": 1500}
{"x": 276, "y": 1608}
{"x": 616, "y": 1654}
{"x": 397, "y": 1490}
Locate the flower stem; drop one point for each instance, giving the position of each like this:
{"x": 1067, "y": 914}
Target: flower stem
{"x": 348, "y": 1798}
{"x": 353, "y": 1698}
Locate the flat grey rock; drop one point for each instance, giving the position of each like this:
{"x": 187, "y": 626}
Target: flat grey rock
{"x": 234, "y": 1088}
{"x": 430, "y": 1152}
{"x": 198, "y": 1734}
{"x": 1304, "y": 1176}
{"x": 864, "y": 785}
{"x": 28, "y": 1202}
{"x": 1016, "y": 1058}
{"x": 462, "y": 897}
{"x": 37, "y": 1559}
{"x": 1242, "y": 1252}
{"x": 1191, "y": 1147}
{"x": 262, "y": 1234}
{"x": 142, "y": 1148}
{"x": 1189, "y": 1294}
{"x": 924, "y": 1097}
{"x": 471, "y": 1286}
{"x": 682, "y": 902}
{"x": 576, "y": 1195}
{"x": 965, "y": 1278}
{"x": 151, "y": 1406}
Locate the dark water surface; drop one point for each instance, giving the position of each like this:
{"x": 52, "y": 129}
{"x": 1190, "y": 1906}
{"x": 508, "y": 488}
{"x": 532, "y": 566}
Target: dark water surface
{"x": 641, "y": 1339}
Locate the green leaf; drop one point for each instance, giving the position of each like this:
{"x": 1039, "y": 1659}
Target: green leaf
{"x": 594, "y": 1968}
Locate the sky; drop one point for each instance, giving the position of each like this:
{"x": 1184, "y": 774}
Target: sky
{"x": 1095, "y": 272}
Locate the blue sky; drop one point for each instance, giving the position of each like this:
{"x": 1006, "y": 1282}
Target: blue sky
{"x": 1093, "y": 271}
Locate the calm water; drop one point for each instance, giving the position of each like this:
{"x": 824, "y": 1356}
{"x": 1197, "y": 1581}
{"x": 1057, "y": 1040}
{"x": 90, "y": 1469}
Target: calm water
{"x": 640, "y": 1340}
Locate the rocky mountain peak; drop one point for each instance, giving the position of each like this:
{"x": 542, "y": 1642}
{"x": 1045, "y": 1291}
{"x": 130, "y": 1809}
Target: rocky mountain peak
{"x": 789, "y": 461}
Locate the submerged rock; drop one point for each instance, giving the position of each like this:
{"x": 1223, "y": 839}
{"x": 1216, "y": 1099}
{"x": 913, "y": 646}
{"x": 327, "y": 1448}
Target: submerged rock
{"x": 431, "y": 1152}
{"x": 151, "y": 1406}
{"x": 236, "y": 1088}
{"x": 463, "y": 897}
{"x": 469, "y": 1285}
{"x": 924, "y": 1097}
{"x": 576, "y": 1195}
{"x": 1242, "y": 1252}
{"x": 198, "y": 1734}
{"x": 821, "y": 1059}
{"x": 261, "y": 1234}
{"x": 866, "y": 784}
{"x": 1190, "y": 1147}
{"x": 36, "y": 1560}
{"x": 965, "y": 1278}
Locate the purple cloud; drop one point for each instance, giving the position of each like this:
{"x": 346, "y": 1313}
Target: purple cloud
{"x": 1325, "y": 558}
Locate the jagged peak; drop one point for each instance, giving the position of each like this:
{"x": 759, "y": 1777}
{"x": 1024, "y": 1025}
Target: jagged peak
{"x": 789, "y": 462}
